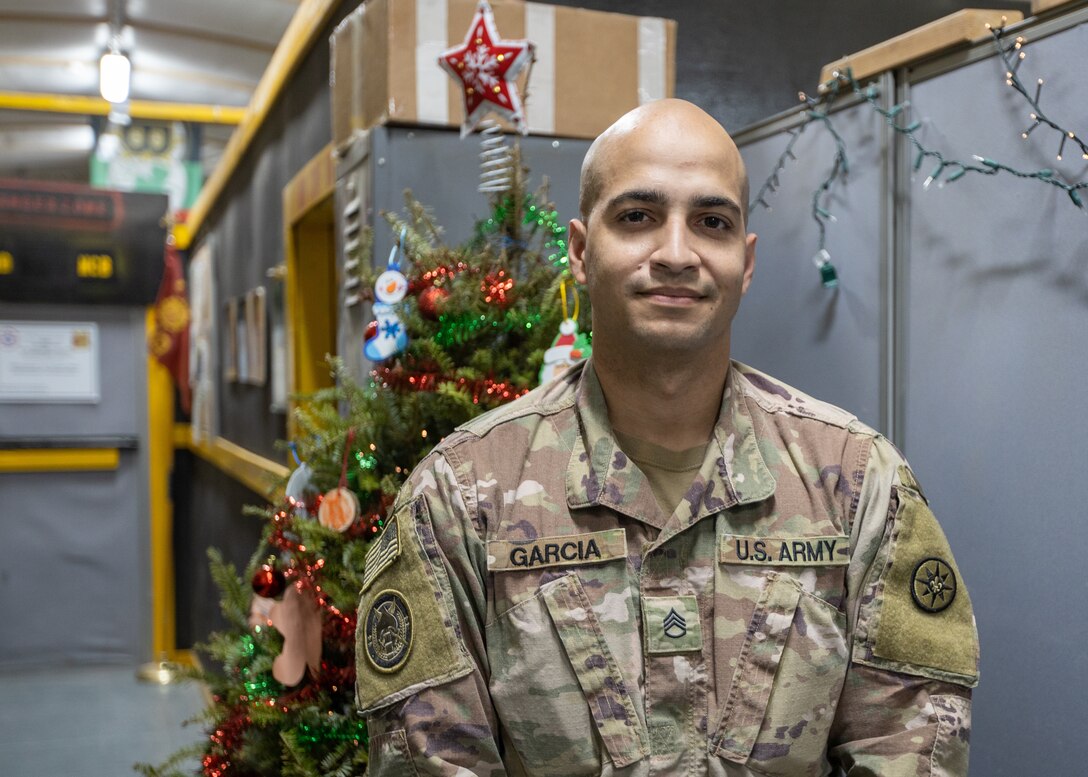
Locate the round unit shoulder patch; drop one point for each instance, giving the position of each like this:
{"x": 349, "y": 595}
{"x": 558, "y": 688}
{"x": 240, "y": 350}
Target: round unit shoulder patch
{"x": 388, "y": 631}
{"x": 933, "y": 585}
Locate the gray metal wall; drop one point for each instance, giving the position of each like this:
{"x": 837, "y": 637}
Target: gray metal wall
{"x": 985, "y": 367}
{"x": 996, "y": 315}
{"x": 74, "y": 572}
{"x": 827, "y": 342}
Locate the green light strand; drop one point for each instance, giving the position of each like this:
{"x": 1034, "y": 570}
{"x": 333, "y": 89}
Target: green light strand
{"x": 555, "y": 233}
{"x": 944, "y": 170}
{"x": 458, "y": 330}
{"x": 262, "y": 687}
{"x": 346, "y": 731}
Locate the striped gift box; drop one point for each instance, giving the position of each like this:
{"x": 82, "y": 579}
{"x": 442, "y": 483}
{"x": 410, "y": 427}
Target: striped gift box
{"x": 591, "y": 67}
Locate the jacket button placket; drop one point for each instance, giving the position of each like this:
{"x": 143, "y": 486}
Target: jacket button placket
{"x": 670, "y": 692}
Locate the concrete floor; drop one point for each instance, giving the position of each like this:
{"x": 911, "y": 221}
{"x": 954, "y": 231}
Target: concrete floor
{"x": 91, "y": 721}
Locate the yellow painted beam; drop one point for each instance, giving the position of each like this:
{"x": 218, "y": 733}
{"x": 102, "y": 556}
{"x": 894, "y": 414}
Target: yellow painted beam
{"x": 138, "y": 109}
{"x": 186, "y": 657}
{"x": 59, "y": 459}
{"x": 183, "y": 436}
{"x": 302, "y": 32}
{"x": 160, "y": 420}
{"x": 255, "y": 472}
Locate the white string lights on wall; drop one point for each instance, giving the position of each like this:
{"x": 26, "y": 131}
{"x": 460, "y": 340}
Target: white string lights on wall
{"x": 1013, "y": 56}
{"x": 941, "y": 169}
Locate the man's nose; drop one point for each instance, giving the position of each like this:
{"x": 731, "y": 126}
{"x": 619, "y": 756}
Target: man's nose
{"x": 674, "y": 251}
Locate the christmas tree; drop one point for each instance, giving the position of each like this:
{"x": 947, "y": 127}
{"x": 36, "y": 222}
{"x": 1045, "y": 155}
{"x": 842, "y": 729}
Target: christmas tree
{"x": 460, "y": 330}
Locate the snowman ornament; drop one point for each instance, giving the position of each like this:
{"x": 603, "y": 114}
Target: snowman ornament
{"x": 390, "y": 288}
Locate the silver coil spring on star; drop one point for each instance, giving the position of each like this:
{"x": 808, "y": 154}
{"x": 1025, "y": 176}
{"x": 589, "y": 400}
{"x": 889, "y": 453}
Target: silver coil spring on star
{"x": 496, "y": 159}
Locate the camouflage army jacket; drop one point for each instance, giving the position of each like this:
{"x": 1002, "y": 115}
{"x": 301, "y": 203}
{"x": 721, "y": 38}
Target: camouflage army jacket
{"x": 530, "y": 610}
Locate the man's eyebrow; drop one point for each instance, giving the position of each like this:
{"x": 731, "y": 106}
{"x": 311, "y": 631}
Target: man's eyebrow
{"x": 715, "y": 201}
{"x": 651, "y": 196}
{"x": 658, "y": 197}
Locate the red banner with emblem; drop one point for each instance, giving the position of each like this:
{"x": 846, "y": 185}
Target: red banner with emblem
{"x": 169, "y": 338}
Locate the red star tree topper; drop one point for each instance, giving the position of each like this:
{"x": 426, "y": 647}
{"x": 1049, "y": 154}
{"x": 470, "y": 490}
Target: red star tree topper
{"x": 486, "y": 67}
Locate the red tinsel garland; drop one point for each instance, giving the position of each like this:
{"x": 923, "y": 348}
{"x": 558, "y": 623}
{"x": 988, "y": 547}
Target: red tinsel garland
{"x": 226, "y": 739}
{"x": 427, "y": 380}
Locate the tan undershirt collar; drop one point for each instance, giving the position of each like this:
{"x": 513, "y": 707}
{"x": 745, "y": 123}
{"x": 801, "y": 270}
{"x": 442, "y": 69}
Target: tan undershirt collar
{"x": 670, "y": 472}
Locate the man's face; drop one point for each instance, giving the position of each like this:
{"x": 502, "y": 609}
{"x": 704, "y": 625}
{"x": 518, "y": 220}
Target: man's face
{"x": 663, "y": 252}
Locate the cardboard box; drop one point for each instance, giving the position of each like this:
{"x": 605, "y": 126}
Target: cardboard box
{"x": 591, "y": 67}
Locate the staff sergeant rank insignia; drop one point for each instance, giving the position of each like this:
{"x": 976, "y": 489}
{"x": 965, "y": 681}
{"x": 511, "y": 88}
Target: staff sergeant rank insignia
{"x": 675, "y": 625}
{"x": 933, "y": 585}
{"x": 388, "y": 631}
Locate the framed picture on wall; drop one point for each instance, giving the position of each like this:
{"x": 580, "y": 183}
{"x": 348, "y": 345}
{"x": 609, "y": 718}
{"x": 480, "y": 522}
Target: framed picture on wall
{"x": 230, "y": 363}
{"x": 256, "y": 333}
{"x": 241, "y": 340}
{"x": 203, "y": 345}
{"x": 277, "y": 357}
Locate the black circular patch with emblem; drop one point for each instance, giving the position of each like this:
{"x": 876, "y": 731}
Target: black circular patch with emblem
{"x": 933, "y": 585}
{"x": 388, "y": 631}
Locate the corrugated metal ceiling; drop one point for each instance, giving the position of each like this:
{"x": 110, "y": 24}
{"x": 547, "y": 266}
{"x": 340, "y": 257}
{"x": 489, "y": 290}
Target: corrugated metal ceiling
{"x": 209, "y": 52}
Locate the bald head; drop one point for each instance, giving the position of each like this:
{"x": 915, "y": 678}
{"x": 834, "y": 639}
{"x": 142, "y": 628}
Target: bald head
{"x": 657, "y": 125}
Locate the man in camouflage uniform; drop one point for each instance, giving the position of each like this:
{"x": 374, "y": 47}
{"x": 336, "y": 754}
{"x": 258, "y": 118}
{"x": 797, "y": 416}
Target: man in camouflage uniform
{"x": 664, "y": 562}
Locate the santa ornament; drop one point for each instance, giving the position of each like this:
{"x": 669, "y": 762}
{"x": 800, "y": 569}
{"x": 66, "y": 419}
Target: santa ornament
{"x": 486, "y": 67}
{"x": 570, "y": 346}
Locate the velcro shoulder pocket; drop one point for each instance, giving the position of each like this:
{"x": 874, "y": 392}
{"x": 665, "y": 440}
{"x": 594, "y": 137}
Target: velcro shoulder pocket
{"x": 922, "y": 623}
{"x": 407, "y": 638}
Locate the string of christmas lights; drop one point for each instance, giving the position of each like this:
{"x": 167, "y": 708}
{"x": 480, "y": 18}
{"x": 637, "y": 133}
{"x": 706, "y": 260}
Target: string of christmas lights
{"x": 944, "y": 169}
{"x": 1013, "y": 56}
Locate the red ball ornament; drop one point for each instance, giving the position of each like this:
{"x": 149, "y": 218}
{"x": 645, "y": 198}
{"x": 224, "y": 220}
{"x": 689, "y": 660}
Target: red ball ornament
{"x": 268, "y": 581}
{"x": 371, "y": 331}
{"x": 431, "y": 302}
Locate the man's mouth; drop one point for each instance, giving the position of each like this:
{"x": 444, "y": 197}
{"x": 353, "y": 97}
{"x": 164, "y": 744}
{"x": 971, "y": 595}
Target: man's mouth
{"x": 672, "y": 295}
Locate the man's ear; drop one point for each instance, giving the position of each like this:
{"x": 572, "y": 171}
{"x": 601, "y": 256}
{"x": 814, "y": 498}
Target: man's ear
{"x": 749, "y": 261}
{"x": 576, "y": 250}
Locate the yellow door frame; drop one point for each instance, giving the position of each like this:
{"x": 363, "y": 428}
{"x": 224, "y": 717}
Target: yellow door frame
{"x": 311, "y": 289}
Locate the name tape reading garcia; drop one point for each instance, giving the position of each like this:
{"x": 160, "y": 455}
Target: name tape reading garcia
{"x": 566, "y": 550}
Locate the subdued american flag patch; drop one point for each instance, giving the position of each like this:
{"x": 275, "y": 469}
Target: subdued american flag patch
{"x": 382, "y": 553}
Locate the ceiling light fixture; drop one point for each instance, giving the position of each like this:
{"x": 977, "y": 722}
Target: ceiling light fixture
{"x": 114, "y": 75}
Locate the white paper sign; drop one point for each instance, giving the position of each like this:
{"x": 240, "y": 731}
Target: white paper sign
{"x": 49, "y": 362}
